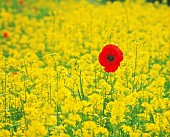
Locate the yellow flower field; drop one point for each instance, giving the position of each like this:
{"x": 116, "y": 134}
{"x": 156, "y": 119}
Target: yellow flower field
{"x": 52, "y": 84}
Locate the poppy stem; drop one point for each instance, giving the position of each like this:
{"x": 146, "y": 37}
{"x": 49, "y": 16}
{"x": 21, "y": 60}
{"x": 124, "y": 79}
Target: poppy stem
{"x": 111, "y": 83}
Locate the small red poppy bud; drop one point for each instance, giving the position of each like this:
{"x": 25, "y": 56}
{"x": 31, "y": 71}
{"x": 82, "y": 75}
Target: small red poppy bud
{"x": 5, "y": 35}
{"x": 110, "y": 57}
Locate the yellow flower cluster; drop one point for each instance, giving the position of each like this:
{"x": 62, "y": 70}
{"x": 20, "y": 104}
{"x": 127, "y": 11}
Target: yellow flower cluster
{"x": 52, "y": 83}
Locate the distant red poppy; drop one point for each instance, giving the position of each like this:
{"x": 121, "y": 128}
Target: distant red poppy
{"x": 15, "y": 73}
{"x": 20, "y": 2}
{"x": 5, "y": 35}
{"x": 110, "y": 57}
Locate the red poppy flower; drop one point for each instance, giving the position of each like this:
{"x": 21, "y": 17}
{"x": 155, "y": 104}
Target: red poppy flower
{"x": 110, "y": 57}
{"x": 5, "y": 35}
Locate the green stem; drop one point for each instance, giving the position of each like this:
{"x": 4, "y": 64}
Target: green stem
{"x": 50, "y": 93}
{"x": 95, "y": 80}
{"x": 5, "y": 92}
{"x": 25, "y": 67}
{"x": 111, "y": 83}
{"x": 81, "y": 86}
{"x": 135, "y": 68}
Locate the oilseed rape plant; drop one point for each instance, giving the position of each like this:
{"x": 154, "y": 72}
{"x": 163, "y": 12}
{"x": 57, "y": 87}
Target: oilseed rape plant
{"x": 56, "y": 83}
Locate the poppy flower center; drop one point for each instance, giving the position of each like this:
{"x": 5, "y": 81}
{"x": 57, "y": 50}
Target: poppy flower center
{"x": 110, "y": 58}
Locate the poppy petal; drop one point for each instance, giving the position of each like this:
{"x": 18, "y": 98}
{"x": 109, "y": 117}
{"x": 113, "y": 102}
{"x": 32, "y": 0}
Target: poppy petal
{"x": 111, "y": 69}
